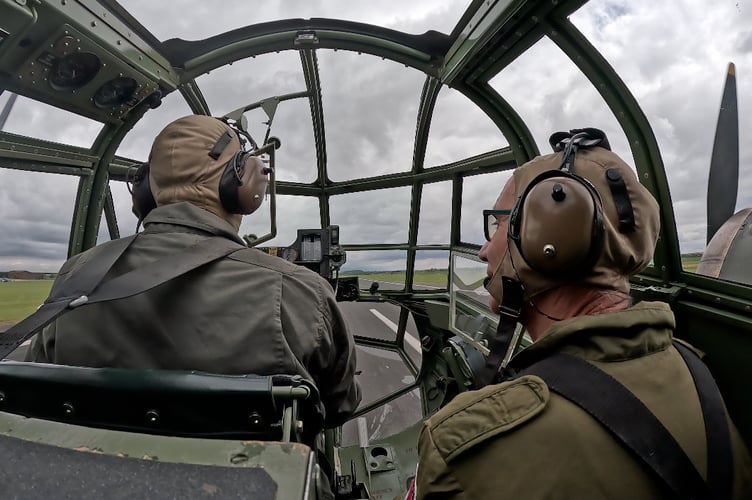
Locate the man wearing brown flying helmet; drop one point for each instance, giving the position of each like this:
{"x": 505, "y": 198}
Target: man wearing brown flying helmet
{"x": 247, "y": 312}
{"x": 521, "y": 438}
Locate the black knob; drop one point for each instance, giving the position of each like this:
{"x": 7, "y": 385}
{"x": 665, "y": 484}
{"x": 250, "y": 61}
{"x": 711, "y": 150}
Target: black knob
{"x": 558, "y": 193}
{"x": 613, "y": 174}
{"x": 275, "y": 141}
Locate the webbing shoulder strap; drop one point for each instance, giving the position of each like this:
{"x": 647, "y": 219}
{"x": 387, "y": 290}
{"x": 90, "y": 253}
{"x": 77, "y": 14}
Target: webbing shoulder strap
{"x": 720, "y": 455}
{"x": 626, "y": 418}
{"x": 86, "y": 287}
{"x": 504, "y": 339}
{"x": 60, "y": 298}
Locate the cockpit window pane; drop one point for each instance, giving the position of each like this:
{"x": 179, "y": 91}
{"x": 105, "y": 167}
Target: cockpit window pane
{"x": 35, "y": 234}
{"x": 370, "y": 112}
{"x": 296, "y": 158}
{"x": 435, "y": 213}
{"x": 386, "y": 268}
{"x": 459, "y": 130}
{"x": 42, "y": 121}
{"x": 386, "y": 420}
{"x": 250, "y": 80}
{"x": 431, "y": 270}
{"x": 546, "y": 107}
{"x": 372, "y": 216}
{"x": 293, "y": 213}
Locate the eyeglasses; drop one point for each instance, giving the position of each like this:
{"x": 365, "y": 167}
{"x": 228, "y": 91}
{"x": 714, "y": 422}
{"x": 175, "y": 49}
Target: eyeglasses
{"x": 491, "y": 221}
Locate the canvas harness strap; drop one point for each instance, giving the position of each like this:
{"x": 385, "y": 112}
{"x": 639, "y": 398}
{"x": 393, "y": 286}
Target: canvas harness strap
{"x": 635, "y": 426}
{"x": 504, "y": 339}
{"x": 87, "y": 287}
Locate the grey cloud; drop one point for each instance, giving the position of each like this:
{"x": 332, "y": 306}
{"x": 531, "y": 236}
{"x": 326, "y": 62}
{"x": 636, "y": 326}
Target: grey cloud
{"x": 36, "y": 215}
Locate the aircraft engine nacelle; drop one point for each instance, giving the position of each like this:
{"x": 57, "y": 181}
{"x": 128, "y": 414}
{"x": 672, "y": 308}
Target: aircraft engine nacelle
{"x": 727, "y": 254}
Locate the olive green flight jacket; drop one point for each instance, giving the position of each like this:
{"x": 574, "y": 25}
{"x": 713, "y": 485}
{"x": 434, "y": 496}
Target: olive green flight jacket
{"x": 247, "y": 313}
{"x": 518, "y": 440}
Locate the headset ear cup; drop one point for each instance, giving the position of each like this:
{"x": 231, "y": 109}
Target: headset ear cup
{"x": 254, "y": 183}
{"x": 557, "y": 225}
{"x": 141, "y": 196}
{"x": 243, "y": 184}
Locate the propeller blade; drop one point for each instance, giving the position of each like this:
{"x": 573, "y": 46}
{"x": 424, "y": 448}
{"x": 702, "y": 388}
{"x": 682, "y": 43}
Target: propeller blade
{"x": 724, "y": 163}
{"x": 6, "y": 109}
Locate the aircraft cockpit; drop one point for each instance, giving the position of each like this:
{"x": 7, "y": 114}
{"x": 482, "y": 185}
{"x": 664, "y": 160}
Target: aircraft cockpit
{"x": 388, "y": 129}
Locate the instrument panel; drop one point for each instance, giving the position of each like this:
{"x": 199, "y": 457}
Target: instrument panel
{"x": 103, "y": 74}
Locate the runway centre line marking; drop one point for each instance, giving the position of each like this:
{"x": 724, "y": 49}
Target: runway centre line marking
{"x": 409, "y": 338}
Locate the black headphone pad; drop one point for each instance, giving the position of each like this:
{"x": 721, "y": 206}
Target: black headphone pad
{"x": 141, "y": 195}
{"x": 231, "y": 181}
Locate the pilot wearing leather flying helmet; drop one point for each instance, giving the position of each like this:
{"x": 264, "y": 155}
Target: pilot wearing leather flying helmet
{"x": 246, "y": 312}
{"x": 567, "y": 232}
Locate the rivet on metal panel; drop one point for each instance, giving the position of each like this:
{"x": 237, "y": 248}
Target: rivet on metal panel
{"x": 239, "y": 458}
{"x": 255, "y": 419}
{"x": 68, "y": 410}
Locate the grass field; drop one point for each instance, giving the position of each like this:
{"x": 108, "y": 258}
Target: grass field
{"x": 689, "y": 262}
{"x": 439, "y": 276}
{"x": 18, "y": 299}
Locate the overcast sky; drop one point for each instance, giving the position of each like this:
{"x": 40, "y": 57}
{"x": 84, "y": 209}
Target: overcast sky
{"x": 673, "y": 59}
